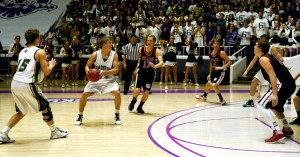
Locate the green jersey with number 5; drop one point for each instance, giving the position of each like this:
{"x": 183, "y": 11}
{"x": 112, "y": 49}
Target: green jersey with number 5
{"x": 29, "y": 70}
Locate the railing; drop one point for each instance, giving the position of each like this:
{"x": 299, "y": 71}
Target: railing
{"x": 201, "y": 50}
{"x": 234, "y": 52}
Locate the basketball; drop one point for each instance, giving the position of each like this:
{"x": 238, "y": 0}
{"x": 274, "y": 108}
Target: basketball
{"x": 93, "y": 75}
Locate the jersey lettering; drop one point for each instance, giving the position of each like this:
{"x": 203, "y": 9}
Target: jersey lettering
{"x": 23, "y": 65}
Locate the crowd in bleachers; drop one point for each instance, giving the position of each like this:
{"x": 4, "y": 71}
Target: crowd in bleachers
{"x": 200, "y": 20}
{"x": 235, "y": 22}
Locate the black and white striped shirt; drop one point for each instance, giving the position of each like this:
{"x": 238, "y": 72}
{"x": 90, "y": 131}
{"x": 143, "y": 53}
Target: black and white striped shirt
{"x": 132, "y": 51}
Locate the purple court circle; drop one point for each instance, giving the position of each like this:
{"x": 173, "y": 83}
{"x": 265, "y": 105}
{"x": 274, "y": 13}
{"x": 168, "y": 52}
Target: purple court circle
{"x": 176, "y": 140}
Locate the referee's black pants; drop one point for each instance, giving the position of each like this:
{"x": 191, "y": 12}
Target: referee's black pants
{"x": 131, "y": 65}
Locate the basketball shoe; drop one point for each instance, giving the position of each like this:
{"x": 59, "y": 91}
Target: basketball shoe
{"x": 288, "y": 131}
{"x": 131, "y": 105}
{"x": 79, "y": 120}
{"x": 276, "y": 137}
{"x": 249, "y": 103}
{"x": 58, "y": 133}
{"x": 295, "y": 122}
{"x": 5, "y": 139}
{"x": 200, "y": 97}
{"x": 222, "y": 101}
{"x": 118, "y": 119}
{"x": 140, "y": 110}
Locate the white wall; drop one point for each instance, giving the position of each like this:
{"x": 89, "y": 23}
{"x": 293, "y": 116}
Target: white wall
{"x": 41, "y": 20}
{"x": 237, "y": 69}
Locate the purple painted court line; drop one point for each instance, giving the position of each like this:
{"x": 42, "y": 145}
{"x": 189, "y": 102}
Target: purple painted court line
{"x": 176, "y": 140}
{"x": 59, "y": 100}
{"x": 250, "y": 150}
{"x": 153, "y": 91}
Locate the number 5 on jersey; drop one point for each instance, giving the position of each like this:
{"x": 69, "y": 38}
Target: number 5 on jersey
{"x": 23, "y": 65}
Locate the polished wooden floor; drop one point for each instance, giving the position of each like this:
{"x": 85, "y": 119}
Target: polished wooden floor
{"x": 145, "y": 134}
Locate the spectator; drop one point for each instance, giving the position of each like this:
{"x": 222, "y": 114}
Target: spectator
{"x": 171, "y": 61}
{"x": 84, "y": 37}
{"x": 221, "y": 21}
{"x": 156, "y": 31}
{"x": 74, "y": 32}
{"x": 231, "y": 39}
{"x": 193, "y": 21}
{"x": 140, "y": 32}
{"x": 260, "y": 26}
{"x": 210, "y": 32}
{"x": 120, "y": 32}
{"x": 49, "y": 49}
{"x": 109, "y": 30}
{"x": 140, "y": 15}
{"x": 177, "y": 31}
{"x": 166, "y": 29}
{"x": 275, "y": 39}
{"x": 66, "y": 52}
{"x": 228, "y": 12}
{"x": 231, "y": 20}
{"x": 241, "y": 16}
{"x": 191, "y": 62}
{"x": 188, "y": 30}
{"x": 163, "y": 50}
{"x": 15, "y": 49}
{"x": 283, "y": 33}
{"x": 64, "y": 33}
{"x": 296, "y": 39}
{"x": 246, "y": 34}
{"x": 75, "y": 60}
{"x": 118, "y": 47}
{"x": 252, "y": 13}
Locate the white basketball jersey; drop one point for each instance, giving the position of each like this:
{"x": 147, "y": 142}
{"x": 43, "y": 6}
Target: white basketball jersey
{"x": 105, "y": 64}
{"x": 29, "y": 70}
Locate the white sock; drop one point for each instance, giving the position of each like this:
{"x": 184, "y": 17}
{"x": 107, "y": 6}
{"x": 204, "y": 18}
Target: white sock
{"x": 268, "y": 116}
{"x": 80, "y": 113}
{"x": 6, "y": 129}
{"x": 117, "y": 111}
{"x": 251, "y": 98}
{"x": 52, "y": 127}
{"x": 285, "y": 123}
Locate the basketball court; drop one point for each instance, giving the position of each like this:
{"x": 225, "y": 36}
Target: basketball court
{"x": 174, "y": 124}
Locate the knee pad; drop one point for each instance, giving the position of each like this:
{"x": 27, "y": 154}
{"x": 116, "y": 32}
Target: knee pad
{"x": 49, "y": 114}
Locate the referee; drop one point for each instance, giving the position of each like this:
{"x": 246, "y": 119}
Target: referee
{"x": 130, "y": 58}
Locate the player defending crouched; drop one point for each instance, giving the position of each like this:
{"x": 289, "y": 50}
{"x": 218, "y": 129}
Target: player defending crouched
{"x": 216, "y": 71}
{"x": 107, "y": 61}
{"x": 146, "y": 72}
{"x": 26, "y": 94}
{"x": 282, "y": 87}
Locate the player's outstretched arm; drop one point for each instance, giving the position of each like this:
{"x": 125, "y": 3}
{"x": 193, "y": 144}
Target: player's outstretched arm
{"x": 250, "y": 66}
